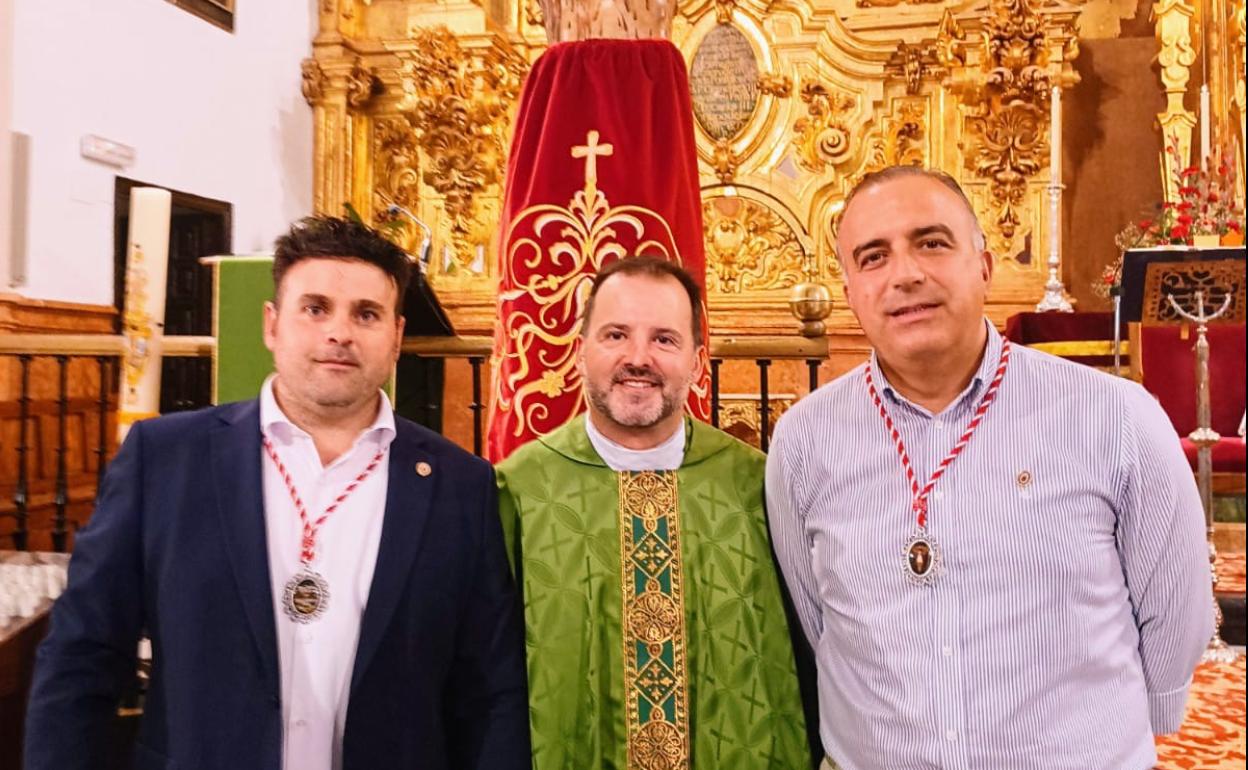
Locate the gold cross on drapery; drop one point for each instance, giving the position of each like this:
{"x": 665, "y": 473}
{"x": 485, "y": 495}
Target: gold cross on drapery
{"x": 591, "y": 151}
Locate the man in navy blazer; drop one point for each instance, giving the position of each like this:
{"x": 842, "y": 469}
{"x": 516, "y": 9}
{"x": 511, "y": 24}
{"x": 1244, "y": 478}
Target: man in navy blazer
{"x": 324, "y": 584}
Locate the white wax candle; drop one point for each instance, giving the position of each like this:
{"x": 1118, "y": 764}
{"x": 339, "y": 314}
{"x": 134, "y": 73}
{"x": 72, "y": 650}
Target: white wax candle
{"x": 1055, "y": 136}
{"x": 1206, "y": 127}
{"x": 147, "y": 264}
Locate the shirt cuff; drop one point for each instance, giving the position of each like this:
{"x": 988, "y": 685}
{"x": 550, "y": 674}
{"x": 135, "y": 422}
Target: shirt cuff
{"x": 1166, "y": 709}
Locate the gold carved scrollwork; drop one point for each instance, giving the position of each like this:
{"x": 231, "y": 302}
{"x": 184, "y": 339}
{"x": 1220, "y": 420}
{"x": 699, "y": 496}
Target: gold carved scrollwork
{"x": 457, "y": 103}
{"x": 775, "y": 84}
{"x": 533, "y": 13}
{"x": 1008, "y": 100}
{"x": 1009, "y": 150}
{"x": 913, "y": 63}
{"x": 725, "y": 161}
{"x": 741, "y": 414}
{"x": 362, "y": 85}
{"x": 749, "y": 247}
{"x": 823, "y": 138}
{"x": 313, "y": 85}
{"x": 905, "y": 135}
{"x": 723, "y": 10}
{"x": 396, "y": 164}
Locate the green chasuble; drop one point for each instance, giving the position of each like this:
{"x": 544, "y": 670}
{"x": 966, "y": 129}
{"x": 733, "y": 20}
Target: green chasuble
{"x": 700, "y": 675}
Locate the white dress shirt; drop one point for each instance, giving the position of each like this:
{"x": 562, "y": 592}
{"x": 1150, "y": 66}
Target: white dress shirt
{"x": 317, "y": 658}
{"x": 667, "y": 456}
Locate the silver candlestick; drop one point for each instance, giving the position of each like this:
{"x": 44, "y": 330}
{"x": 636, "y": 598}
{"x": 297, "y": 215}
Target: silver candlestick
{"x": 1204, "y": 437}
{"x": 1054, "y": 291}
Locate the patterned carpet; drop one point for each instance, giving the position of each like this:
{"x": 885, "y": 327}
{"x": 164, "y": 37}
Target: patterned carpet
{"x": 1230, "y": 567}
{"x": 1212, "y": 737}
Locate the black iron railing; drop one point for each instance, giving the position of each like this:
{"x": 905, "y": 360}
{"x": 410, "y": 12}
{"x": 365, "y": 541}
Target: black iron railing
{"x": 107, "y": 352}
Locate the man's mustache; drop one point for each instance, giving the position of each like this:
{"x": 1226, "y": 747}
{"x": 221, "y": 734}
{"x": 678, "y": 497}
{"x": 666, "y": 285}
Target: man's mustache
{"x": 643, "y": 373}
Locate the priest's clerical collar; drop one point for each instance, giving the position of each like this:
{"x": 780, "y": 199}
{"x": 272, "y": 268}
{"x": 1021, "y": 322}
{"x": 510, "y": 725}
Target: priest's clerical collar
{"x": 667, "y": 456}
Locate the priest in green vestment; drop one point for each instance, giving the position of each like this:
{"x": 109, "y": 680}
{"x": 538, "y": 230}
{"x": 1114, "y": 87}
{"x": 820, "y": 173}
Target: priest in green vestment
{"x": 656, "y": 633}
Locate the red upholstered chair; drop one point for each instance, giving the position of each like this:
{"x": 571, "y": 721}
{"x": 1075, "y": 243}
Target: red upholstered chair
{"x": 1166, "y": 365}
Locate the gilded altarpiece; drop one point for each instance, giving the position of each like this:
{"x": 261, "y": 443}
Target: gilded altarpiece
{"x": 794, "y": 102}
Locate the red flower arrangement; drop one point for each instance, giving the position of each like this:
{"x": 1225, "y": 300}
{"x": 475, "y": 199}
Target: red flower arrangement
{"x": 1207, "y": 205}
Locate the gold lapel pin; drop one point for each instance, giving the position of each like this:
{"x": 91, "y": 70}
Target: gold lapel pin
{"x": 1024, "y": 479}
{"x": 424, "y": 468}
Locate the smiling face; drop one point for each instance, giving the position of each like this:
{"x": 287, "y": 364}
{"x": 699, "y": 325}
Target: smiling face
{"x": 916, "y": 272}
{"x": 638, "y": 358}
{"x": 334, "y": 335}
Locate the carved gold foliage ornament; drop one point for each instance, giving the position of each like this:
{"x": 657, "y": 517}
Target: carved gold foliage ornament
{"x": 905, "y": 135}
{"x": 725, "y": 161}
{"x": 362, "y": 85}
{"x": 749, "y": 247}
{"x": 775, "y": 84}
{"x": 313, "y": 85}
{"x": 913, "y": 63}
{"x": 1007, "y": 96}
{"x": 741, "y": 415}
{"x": 1010, "y": 149}
{"x": 1017, "y": 60}
{"x": 457, "y": 103}
{"x": 823, "y": 138}
{"x": 723, "y": 10}
{"x": 396, "y": 163}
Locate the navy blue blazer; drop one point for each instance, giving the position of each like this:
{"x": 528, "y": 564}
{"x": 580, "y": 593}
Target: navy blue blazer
{"x": 176, "y": 547}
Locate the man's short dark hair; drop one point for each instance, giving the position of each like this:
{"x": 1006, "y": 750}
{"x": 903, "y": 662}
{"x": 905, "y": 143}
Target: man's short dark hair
{"x": 323, "y": 237}
{"x": 890, "y": 173}
{"x": 654, "y": 268}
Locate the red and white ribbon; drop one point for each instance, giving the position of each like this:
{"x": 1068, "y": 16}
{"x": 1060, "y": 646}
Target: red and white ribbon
{"x": 308, "y": 544}
{"x": 919, "y": 504}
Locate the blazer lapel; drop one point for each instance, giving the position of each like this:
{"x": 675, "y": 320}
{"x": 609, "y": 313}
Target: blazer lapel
{"x": 408, "y": 498}
{"x": 235, "y": 459}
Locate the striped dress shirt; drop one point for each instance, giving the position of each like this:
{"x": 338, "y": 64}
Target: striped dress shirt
{"x": 1074, "y": 598}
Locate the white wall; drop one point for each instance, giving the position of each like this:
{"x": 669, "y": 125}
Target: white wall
{"x": 6, "y": 108}
{"x": 208, "y": 112}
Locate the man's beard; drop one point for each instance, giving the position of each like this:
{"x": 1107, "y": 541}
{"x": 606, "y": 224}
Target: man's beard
{"x": 636, "y": 417}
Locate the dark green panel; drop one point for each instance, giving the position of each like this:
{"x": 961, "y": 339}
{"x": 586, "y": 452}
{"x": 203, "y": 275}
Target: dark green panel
{"x": 244, "y": 284}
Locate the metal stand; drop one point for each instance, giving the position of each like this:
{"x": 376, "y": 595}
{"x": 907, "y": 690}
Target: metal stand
{"x": 1054, "y": 291}
{"x": 1204, "y": 437}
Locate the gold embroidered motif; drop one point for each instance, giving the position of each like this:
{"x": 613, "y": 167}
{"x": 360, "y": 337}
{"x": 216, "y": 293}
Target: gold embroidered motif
{"x": 656, "y": 690}
{"x": 569, "y": 243}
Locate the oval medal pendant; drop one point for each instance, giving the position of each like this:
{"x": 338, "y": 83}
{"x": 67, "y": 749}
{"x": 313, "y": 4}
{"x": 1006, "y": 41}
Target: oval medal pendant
{"x": 306, "y": 596}
{"x": 922, "y": 557}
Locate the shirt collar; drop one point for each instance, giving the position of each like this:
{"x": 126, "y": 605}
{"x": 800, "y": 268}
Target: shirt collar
{"x": 275, "y": 423}
{"x": 986, "y": 371}
{"x": 667, "y": 456}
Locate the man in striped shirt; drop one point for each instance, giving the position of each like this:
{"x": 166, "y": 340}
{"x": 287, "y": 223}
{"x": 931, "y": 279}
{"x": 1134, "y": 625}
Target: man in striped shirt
{"x": 998, "y": 556}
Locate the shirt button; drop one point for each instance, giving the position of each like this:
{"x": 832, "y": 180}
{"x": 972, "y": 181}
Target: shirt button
{"x": 938, "y": 424}
{"x": 947, "y": 651}
{"x": 951, "y": 735}
{"x": 304, "y": 723}
{"x": 939, "y": 495}
{"x": 305, "y": 635}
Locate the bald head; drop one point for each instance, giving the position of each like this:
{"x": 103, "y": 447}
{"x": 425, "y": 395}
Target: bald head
{"x": 877, "y": 179}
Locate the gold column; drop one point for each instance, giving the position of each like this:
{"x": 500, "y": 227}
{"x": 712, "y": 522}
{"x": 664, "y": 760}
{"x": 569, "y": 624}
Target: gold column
{"x": 1173, "y": 19}
{"x": 1238, "y": 97}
